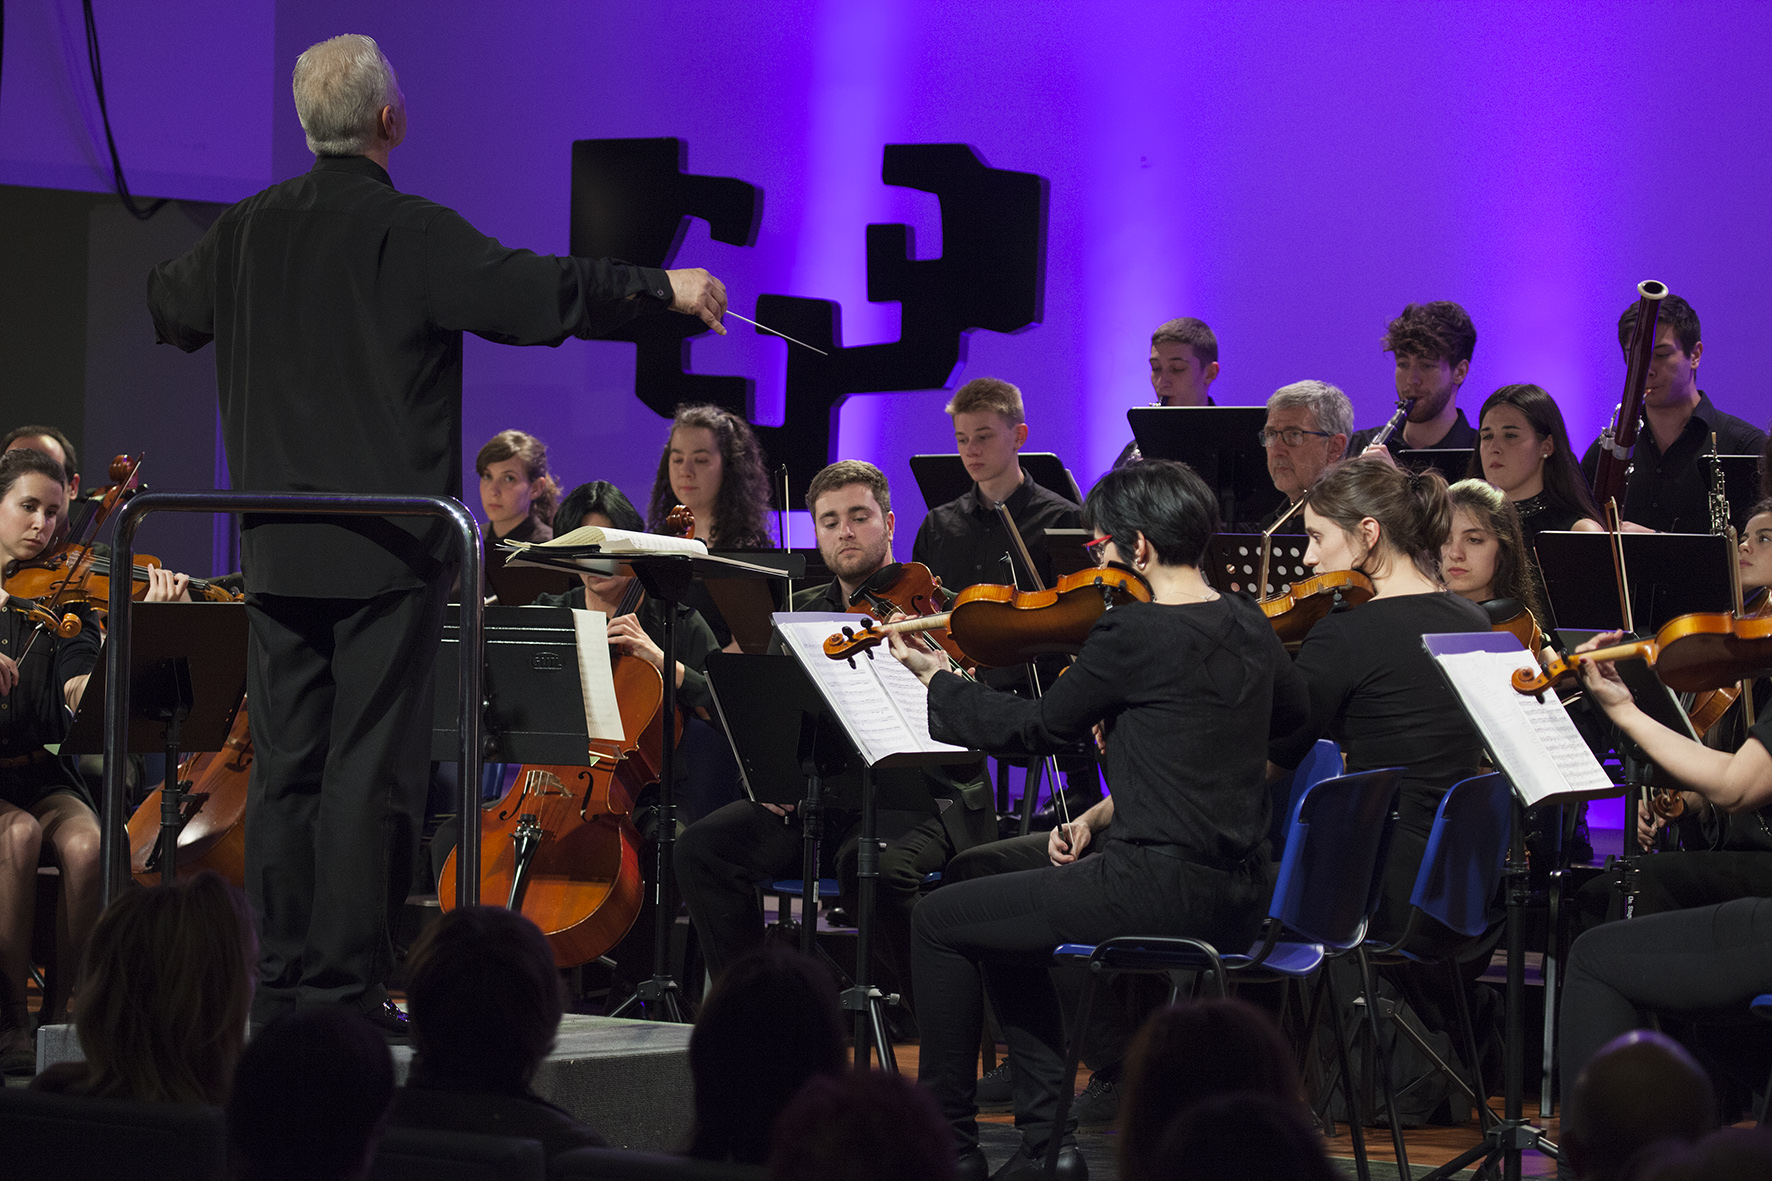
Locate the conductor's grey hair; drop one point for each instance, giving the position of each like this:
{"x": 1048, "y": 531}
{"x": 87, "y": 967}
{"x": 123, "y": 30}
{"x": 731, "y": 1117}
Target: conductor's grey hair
{"x": 1328, "y": 405}
{"x": 341, "y": 86}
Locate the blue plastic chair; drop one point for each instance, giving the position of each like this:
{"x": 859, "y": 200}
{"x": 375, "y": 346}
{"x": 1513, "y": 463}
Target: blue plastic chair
{"x": 1456, "y": 884}
{"x": 1322, "y": 761}
{"x": 1329, "y": 883}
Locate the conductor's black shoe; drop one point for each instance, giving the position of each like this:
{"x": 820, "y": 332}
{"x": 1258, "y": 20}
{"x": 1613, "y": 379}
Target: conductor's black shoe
{"x": 1022, "y": 1167}
{"x": 996, "y": 1089}
{"x": 390, "y": 1022}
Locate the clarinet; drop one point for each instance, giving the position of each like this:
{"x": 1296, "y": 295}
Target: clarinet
{"x": 1719, "y": 500}
{"x": 1404, "y": 406}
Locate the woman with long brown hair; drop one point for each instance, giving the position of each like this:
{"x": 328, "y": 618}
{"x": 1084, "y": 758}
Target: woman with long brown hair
{"x": 1484, "y": 557}
{"x": 713, "y": 463}
{"x": 1523, "y": 449}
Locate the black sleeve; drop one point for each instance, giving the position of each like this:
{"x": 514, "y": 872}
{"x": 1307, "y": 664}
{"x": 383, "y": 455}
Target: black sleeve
{"x": 1327, "y": 667}
{"x": 476, "y": 285}
{"x": 967, "y": 713}
{"x": 181, "y": 296}
{"x": 920, "y": 547}
{"x": 1292, "y": 697}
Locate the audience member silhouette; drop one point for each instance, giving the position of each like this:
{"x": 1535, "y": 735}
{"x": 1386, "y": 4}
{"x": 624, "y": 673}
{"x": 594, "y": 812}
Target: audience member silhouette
{"x": 1248, "y": 1135}
{"x": 1188, "y": 1053}
{"x": 1639, "y": 1088}
{"x": 162, "y": 1006}
{"x": 1727, "y": 1154}
{"x": 770, "y": 1024}
{"x": 310, "y": 1098}
{"x": 868, "y": 1126}
{"x": 484, "y": 999}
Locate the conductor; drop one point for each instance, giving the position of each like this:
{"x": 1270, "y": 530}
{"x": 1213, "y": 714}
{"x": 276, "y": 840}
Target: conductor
{"x": 337, "y": 306}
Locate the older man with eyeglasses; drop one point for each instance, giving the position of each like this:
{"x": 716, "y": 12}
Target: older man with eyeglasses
{"x": 1308, "y": 423}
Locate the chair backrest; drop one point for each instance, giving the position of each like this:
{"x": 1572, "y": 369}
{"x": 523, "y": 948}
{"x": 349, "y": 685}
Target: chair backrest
{"x": 1466, "y": 850}
{"x": 1338, "y": 837}
{"x": 609, "y": 1164}
{"x": 1321, "y": 762}
{"x": 48, "y": 1137}
{"x": 426, "y": 1154}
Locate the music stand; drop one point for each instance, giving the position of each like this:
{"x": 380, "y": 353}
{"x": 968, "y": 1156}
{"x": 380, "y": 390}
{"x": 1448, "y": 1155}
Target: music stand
{"x": 187, "y": 677}
{"x": 667, "y": 578}
{"x": 1670, "y": 574}
{"x": 943, "y": 478}
{"x": 1222, "y": 443}
{"x": 1451, "y": 462}
{"x": 532, "y": 692}
{"x": 519, "y": 587}
{"x": 1233, "y": 563}
{"x": 1064, "y": 547}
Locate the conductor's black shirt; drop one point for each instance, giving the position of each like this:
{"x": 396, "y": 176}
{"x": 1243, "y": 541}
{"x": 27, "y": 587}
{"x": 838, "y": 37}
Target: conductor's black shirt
{"x": 1670, "y": 492}
{"x": 337, "y": 306}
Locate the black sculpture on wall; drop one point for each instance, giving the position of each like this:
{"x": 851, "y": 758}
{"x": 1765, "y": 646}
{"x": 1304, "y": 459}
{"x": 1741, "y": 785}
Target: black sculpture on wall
{"x": 631, "y": 200}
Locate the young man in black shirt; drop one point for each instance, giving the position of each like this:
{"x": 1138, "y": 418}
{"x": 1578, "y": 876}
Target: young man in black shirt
{"x": 1433, "y": 344}
{"x": 1669, "y": 483}
{"x": 1184, "y": 364}
{"x": 724, "y": 856}
{"x": 337, "y": 305}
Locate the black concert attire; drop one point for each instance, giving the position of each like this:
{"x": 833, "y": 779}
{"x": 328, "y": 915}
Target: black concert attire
{"x": 1699, "y": 966}
{"x": 1670, "y": 492}
{"x": 35, "y": 713}
{"x": 963, "y": 542}
{"x": 1186, "y": 695}
{"x": 1459, "y": 436}
{"x": 470, "y": 1105}
{"x": 337, "y": 305}
{"x": 1540, "y": 514}
{"x": 1375, "y": 690}
{"x": 722, "y": 858}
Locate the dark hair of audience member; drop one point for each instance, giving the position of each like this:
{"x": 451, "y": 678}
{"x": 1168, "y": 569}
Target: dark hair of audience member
{"x": 1638, "y": 1088}
{"x": 862, "y": 1126}
{"x": 1247, "y": 1135}
{"x": 161, "y": 1010}
{"x": 1187, "y": 1053}
{"x": 310, "y": 1098}
{"x": 1727, "y": 1154}
{"x": 484, "y": 998}
{"x": 770, "y": 1023}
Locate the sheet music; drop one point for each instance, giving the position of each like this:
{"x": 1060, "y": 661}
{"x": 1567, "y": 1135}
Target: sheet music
{"x": 1534, "y": 742}
{"x": 602, "y": 710}
{"x": 618, "y": 541}
{"x": 882, "y": 705}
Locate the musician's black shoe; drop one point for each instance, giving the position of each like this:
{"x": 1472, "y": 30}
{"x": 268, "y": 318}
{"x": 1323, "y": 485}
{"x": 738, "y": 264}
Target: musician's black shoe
{"x": 971, "y": 1165}
{"x": 1022, "y": 1167}
{"x": 996, "y": 1089}
{"x": 390, "y": 1022}
{"x": 1099, "y": 1104}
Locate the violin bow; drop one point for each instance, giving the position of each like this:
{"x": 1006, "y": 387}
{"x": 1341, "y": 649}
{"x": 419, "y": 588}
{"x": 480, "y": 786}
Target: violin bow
{"x": 1027, "y": 560}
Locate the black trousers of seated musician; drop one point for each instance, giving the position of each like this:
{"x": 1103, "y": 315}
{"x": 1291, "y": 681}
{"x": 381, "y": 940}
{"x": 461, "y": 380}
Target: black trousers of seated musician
{"x": 341, "y": 695}
{"x": 1679, "y": 881}
{"x": 1110, "y": 1025}
{"x": 724, "y": 856}
{"x": 1001, "y": 930}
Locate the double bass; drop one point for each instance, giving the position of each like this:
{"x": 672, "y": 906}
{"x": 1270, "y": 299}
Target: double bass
{"x": 559, "y": 847}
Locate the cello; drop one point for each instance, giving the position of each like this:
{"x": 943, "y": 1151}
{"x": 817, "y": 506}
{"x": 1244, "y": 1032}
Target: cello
{"x": 212, "y": 836}
{"x": 559, "y": 847}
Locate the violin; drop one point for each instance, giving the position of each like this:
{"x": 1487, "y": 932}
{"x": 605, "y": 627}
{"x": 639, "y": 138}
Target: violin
{"x": 913, "y": 594}
{"x": 212, "y": 836}
{"x": 1691, "y": 654}
{"x": 78, "y": 574}
{"x": 1302, "y": 605}
{"x": 1516, "y": 619}
{"x": 67, "y": 626}
{"x": 1708, "y": 707}
{"x": 560, "y": 847}
{"x": 999, "y": 626}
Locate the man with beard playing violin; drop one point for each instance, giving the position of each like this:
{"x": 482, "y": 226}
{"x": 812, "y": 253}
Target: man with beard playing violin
{"x": 722, "y": 857}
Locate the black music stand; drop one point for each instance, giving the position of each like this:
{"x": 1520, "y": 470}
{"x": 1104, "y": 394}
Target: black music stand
{"x": 1233, "y": 563}
{"x": 792, "y": 751}
{"x": 1223, "y": 444}
{"x": 943, "y": 478}
{"x": 187, "y": 677}
{"x": 667, "y": 578}
{"x": 1670, "y": 574}
{"x": 1451, "y": 462}
{"x": 531, "y": 691}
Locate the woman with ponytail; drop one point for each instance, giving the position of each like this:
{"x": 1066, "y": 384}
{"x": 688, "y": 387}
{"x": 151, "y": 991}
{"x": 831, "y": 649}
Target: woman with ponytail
{"x": 1373, "y": 687}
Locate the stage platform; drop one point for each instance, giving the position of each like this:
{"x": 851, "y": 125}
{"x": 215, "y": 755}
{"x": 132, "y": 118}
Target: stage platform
{"x": 628, "y": 1079}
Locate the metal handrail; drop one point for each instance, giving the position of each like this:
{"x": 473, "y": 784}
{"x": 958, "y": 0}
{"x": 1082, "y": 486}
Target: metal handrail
{"x": 114, "y": 837}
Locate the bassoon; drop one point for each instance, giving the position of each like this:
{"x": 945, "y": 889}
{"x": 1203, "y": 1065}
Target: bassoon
{"x": 1616, "y": 444}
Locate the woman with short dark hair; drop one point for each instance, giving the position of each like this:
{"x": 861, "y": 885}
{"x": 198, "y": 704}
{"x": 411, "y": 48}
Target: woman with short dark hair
{"x": 1184, "y": 690}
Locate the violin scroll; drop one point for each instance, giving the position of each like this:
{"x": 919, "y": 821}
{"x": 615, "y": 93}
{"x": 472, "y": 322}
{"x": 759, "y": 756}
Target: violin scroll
{"x": 66, "y": 626}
